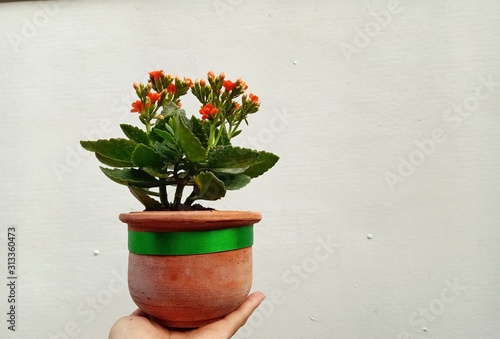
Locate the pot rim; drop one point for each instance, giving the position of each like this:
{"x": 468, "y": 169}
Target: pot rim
{"x": 175, "y": 221}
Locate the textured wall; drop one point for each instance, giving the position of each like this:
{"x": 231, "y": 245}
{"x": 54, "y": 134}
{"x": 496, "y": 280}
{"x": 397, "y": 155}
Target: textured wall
{"x": 381, "y": 219}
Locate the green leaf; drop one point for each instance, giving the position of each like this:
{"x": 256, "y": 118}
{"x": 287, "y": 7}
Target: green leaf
{"x": 234, "y": 182}
{"x": 149, "y": 203}
{"x": 158, "y": 173}
{"x": 171, "y": 153}
{"x": 89, "y": 145}
{"x": 135, "y": 134}
{"x": 189, "y": 143}
{"x": 130, "y": 176}
{"x": 117, "y": 149}
{"x": 237, "y": 170}
{"x": 112, "y": 162}
{"x": 172, "y": 109}
{"x": 229, "y": 159}
{"x": 166, "y": 135}
{"x": 236, "y": 133}
{"x": 160, "y": 124}
{"x": 224, "y": 139}
{"x": 145, "y": 156}
{"x": 208, "y": 187}
{"x": 199, "y": 131}
{"x": 263, "y": 163}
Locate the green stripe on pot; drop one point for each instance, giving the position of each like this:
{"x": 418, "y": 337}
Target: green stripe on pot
{"x": 186, "y": 243}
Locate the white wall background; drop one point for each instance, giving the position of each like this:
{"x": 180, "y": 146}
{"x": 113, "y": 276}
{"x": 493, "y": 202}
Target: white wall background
{"x": 380, "y": 220}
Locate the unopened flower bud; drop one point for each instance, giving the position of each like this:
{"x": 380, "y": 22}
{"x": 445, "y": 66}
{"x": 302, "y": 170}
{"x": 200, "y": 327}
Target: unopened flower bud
{"x": 188, "y": 82}
{"x": 203, "y": 83}
{"x": 136, "y": 85}
{"x": 241, "y": 83}
{"x": 210, "y": 75}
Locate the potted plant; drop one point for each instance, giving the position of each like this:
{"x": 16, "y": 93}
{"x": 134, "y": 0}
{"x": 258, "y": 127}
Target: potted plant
{"x": 188, "y": 265}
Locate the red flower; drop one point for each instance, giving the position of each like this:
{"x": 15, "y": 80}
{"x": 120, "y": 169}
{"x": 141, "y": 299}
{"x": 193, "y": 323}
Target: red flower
{"x": 154, "y": 97}
{"x": 228, "y": 85}
{"x": 137, "y": 107}
{"x": 155, "y": 75}
{"x": 171, "y": 88}
{"x": 208, "y": 111}
{"x": 253, "y": 97}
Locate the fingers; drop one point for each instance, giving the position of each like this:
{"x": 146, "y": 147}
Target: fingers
{"x": 239, "y": 317}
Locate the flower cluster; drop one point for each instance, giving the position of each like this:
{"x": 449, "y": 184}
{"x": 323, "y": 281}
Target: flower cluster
{"x": 217, "y": 97}
{"x": 160, "y": 90}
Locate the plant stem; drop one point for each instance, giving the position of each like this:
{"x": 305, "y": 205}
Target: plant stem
{"x": 189, "y": 200}
{"x": 163, "y": 194}
{"x": 178, "y": 196}
{"x": 180, "y": 182}
{"x": 233, "y": 129}
{"x": 211, "y": 137}
{"x": 222, "y": 128}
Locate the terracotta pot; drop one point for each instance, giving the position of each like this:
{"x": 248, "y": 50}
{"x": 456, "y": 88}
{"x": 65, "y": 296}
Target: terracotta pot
{"x": 189, "y": 290}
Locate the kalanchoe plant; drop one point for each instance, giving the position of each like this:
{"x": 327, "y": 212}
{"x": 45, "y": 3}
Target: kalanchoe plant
{"x": 174, "y": 150}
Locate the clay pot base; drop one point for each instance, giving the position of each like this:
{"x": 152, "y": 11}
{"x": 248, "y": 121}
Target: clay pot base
{"x": 183, "y": 325}
{"x": 189, "y": 291}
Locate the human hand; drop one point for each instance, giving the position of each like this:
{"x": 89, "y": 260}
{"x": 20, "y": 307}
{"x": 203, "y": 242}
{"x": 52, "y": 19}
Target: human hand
{"x": 138, "y": 326}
